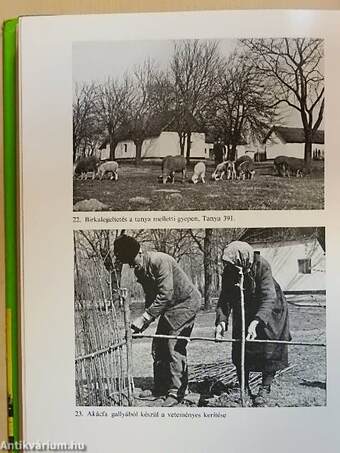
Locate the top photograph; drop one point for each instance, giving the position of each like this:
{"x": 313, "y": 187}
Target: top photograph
{"x": 172, "y": 125}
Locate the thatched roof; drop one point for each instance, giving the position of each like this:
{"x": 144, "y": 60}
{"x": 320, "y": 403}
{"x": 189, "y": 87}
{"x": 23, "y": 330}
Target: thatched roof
{"x": 158, "y": 123}
{"x": 294, "y": 135}
{"x": 256, "y": 236}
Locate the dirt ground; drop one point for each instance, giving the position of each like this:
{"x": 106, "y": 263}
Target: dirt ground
{"x": 138, "y": 189}
{"x": 302, "y": 385}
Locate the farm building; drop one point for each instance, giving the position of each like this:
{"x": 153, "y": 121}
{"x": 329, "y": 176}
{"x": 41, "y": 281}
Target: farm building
{"x": 241, "y": 148}
{"x": 253, "y": 150}
{"x": 290, "y": 141}
{"x": 298, "y": 266}
{"x": 162, "y": 140}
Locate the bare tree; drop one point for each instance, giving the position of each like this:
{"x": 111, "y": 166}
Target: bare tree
{"x": 204, "y": 239}
{"x": 243, "y": 108}
{"x": 98, "y": 245}
{"x": 112, "y": 104}
{"x": 143, "y": 108}
{"x": 161, "y": 91}
{"x": 294, "y": 68}
{"x": 84, "y": 121}
{"x": 193, "y": 72}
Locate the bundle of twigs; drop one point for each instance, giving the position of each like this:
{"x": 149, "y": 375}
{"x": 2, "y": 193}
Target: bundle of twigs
{"x": 224, "y": 373}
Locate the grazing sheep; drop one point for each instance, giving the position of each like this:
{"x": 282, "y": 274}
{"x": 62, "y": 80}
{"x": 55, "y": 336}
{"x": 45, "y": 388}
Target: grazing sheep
{"x": 230, "y": 169}
{"x": 199, "y": 173}
{"x": 280, "y": 165}
{"x": 285, "y": 166}
{"x": 108, "y": 167}
{"x": 84, "y": 166}
{"x": 171, "y": 164}
{"x": 295, "y": 166}
{"x": 219, "y": 171}
{"x": 244, "y": 167}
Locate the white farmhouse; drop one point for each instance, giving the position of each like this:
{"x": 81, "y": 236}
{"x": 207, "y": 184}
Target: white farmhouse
{"x": 290, "y": 141}
{"x": 298, "y": 266}
{"x": 162, "y": 140}
{"x": 243, "y": 148}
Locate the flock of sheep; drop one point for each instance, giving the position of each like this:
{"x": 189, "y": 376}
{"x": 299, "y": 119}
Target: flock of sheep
{"x": 241, "y": 169}
{"x": 86, "y": 165}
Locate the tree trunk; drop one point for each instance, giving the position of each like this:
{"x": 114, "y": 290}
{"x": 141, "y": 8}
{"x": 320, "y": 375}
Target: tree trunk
{"x": 182, "y": 142}
{"x": 188, "y": 146}
{"x": 138, "y": 144}
{"x": 208, "y": 268}
{"x": 112, "y": 148}
{"x": 228, "y": 152}
{"x": 308, "y": 153}
{"x": 232, "y": 152}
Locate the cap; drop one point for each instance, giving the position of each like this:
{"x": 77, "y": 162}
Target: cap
{"x": 126, "y": 248}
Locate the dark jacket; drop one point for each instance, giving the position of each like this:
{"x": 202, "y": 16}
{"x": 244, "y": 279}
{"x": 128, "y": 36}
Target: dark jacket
{"x": 265, "y": 301}
{"x": 168, "y": 290}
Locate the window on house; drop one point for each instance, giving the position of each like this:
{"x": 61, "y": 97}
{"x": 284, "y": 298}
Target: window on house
{"x": 125, "y": 147}
{"x": 305, "y": 266}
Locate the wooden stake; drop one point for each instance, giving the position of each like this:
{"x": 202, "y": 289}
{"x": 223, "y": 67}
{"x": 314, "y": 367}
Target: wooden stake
{"x": 243, "y": 338}
{"x": 128, "y": 334}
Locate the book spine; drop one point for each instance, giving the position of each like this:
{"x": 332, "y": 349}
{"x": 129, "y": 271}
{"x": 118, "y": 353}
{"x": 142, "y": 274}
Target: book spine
{"x": 10, "y": 200}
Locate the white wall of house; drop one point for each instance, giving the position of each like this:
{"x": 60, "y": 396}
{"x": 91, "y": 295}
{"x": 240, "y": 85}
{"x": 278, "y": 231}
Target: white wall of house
{"x": 285, "y": 149}
{"x": 246, "y": 150}
{"x": 125, "y": 150}
{"x": 166, "y": 144}
{"x": 198, "y": 146}
{"x": 152, "y": 147}
{"x": 276, "y": 147}
{"x": 283, "y": 259}
{"x": 105, "y": 153}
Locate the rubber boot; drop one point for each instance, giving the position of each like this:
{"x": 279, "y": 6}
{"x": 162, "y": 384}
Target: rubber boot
{"x": 261, "y": 398}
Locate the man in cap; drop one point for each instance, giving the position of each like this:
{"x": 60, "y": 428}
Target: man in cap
{"x": 171, "y": 297}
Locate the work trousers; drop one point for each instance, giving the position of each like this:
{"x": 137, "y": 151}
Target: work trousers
{"x": 170, "y": 360}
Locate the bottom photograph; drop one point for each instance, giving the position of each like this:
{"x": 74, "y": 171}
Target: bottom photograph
{"x": 231, "y": 317}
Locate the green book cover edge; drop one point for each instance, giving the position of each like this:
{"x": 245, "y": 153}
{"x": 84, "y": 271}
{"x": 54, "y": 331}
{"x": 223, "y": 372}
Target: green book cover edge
{"x": 10, "y": 201}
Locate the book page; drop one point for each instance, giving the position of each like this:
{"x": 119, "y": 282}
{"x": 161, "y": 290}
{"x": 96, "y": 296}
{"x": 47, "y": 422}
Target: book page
{"x": 179, "y": 230}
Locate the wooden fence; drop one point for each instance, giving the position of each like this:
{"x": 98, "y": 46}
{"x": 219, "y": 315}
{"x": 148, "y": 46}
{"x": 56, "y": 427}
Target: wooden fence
{"x": 103, "y": 370}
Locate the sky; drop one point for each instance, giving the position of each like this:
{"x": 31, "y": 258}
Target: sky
{"x": 96, "y": 61}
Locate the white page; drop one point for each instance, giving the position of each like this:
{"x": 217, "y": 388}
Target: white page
{"x": 49, "y": 410}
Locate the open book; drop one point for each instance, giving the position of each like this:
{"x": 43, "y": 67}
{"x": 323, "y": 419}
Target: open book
{"x": 177, "y": 194}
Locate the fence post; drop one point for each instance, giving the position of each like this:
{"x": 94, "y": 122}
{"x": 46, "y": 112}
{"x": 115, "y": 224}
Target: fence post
{"x": 128, "y": 336}
{"x": 243, "y": 338}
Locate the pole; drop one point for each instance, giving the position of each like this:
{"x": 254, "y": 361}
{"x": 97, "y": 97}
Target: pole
{"x": 128, "y": 335}
{"x": 225, "y": 340}
{"x": 243, "y": 338}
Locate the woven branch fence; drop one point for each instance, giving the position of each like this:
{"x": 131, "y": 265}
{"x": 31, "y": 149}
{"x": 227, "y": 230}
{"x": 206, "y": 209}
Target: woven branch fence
{"x": 103, "y": 374}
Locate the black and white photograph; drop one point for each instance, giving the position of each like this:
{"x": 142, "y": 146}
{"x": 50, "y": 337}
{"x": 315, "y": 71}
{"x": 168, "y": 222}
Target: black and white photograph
{"x": 200, "y": 317}
{"x": 198, "y": 124}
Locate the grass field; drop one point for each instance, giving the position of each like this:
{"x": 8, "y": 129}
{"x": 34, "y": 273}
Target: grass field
{"x": 303, "y": 385}
{"x": 138, "y": 190}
